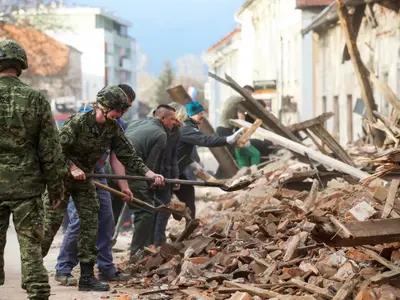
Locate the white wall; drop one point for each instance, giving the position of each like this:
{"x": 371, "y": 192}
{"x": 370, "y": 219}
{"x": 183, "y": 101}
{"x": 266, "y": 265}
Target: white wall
{"x": 224, "y": 61}
{"x": 379, "y": 49}
{"x": 271, "y": 44}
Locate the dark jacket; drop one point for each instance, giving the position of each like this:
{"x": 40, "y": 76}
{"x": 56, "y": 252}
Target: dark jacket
{"x": 191, "y": 136}
{"x": 168, "y": 161}
{"x": 149, "y": 138}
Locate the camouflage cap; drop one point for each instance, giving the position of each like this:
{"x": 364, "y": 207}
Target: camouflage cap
{"x": 113, "y": 97}
{"x": 12, "y": 50}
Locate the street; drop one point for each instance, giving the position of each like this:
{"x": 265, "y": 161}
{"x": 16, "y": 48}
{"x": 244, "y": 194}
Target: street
{"x": 12, "y": 290}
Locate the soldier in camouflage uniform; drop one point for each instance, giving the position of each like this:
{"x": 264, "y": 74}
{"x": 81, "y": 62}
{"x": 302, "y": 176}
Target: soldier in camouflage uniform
{"x": 30, "y": 159}
{"x": 84, "y": 139}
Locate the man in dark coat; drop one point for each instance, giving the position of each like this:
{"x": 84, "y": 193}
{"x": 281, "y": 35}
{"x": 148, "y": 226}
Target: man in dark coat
{"x": 149, "y": 138}
{"x": 191, "y": 136}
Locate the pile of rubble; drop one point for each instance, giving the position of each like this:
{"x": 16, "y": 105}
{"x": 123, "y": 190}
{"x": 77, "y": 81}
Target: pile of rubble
{"x": 271, "y": 242}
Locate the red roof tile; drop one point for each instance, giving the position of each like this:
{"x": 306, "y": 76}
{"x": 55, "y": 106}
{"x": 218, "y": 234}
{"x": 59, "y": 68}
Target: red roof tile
{"x": 224, "y": 40}
{"x": 46, "y": 56}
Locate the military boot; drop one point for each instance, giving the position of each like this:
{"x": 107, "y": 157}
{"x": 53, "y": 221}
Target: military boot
{"x": 88, "y": 282}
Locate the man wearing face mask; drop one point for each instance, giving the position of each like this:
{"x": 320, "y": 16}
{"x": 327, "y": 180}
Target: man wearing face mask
{"x": 68, "y": 257}
{"x": 84, "y": 139}
{"x": 191, "y": 136}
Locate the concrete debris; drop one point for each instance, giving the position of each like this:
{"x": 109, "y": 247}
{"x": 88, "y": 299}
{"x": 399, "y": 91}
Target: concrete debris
{"x": 264, "y": 242}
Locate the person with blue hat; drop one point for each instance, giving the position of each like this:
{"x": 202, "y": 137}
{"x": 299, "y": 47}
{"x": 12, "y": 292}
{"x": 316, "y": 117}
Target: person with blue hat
{"x": 191, "y": 136}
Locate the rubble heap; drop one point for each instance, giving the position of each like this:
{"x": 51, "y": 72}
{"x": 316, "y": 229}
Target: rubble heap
{"x": 270, "y": 242}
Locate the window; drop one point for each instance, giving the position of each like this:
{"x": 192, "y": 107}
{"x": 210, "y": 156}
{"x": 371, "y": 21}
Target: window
{"x": 349, "y": 118}
{"x": 336, "y": 120}
{"x": 123, "y": 30}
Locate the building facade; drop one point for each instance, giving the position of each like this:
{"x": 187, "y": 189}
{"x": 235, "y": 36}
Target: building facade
{"x": 54, "y": 67}
{"x": 337, "y": 87}
{"x": 271, "y": 55}
{"x": 221, "y": 58}
{"x": 108, "y": 52}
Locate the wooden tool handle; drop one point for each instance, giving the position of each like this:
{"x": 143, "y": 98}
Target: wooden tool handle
{"x": 245, "y": 137}
{"x": 111, "y": 190}
{"x": 122, "y": 195}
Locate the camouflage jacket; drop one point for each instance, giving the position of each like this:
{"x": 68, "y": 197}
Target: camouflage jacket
{"x": 84, "y": 142}
{"x": 30, "y": 152}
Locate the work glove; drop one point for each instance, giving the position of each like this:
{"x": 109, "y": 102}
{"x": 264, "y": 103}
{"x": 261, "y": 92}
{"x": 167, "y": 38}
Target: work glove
{"x": 247, "y": 144}
{"x": 234, "y": 137}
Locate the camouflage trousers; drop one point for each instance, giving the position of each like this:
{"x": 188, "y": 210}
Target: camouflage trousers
{"x": 87, "y": 205}
{"x": 28, "y": 222}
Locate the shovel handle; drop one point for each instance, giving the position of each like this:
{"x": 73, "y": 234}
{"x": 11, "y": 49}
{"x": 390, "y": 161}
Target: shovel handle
{"x": 166, "y": 180}
{"x": 118, "y": 193}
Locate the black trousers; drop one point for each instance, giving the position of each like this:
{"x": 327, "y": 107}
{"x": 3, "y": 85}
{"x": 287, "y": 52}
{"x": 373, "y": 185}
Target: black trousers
{"x": 186, "y": 195}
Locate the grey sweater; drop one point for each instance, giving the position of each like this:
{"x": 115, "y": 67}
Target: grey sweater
{"x": 149, "y": 137}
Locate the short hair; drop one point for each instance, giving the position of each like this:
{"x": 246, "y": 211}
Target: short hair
{"x": 165, "y": 106}
{"x": 249, "y": 87}
{"x": 128, "y": 90}
{"x": 162, "y": 109}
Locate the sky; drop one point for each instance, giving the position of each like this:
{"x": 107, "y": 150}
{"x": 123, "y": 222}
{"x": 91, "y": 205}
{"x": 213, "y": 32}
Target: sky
{"x": 172, "y": 28}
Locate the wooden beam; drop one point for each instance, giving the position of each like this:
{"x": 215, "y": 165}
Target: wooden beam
{"x": 383, "y": 261}
{"x": 324, "y": 293}
{"x": 267, "y": 117}
{"x": 331, "y": 143}
{"x": 356, "y": 20}
{"x": 371, "y": 232}
{"x": 314, "y": 155}
{"x": 246, "y": 136}
{"x": 254, "y": 291}
{"x": 394, "y": 186}
{"x": 346, "y": 289}
{"x": 361, "y": 71}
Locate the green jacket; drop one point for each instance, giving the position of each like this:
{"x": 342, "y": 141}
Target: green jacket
{"x": 30, "y": 152}
{"x": 84, "y": 141}
{"x": 149, "y": 138}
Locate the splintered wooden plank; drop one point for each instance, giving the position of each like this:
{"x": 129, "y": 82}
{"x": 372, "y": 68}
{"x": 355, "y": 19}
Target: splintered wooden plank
{"x": 394, "y": 186}
{"x": 370, "y": 232}
{"x": 320, "y": 120}
{"x": 245, "y": 137}
{"x": 252, "y": 290}
{"x": 312, "y": 288}
{"x": 384, "y": 277}
{"x": 379, "y": 259}
{"x": 291, "y": 248}
{"x": 346, "y": 289}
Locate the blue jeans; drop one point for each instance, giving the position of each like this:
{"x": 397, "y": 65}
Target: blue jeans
{"x": 165, "y": 195}
{"x": 68, "y": 257}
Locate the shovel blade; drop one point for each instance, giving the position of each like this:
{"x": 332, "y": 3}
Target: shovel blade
{"x": 237, "y": 186}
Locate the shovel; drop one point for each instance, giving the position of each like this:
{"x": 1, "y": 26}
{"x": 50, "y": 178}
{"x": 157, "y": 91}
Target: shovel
{"x": 241, "y": 184}
{"x": 161, "y": 208}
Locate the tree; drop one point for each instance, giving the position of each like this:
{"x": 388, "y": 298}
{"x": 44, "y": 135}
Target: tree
{"x": 164, "y": 81}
